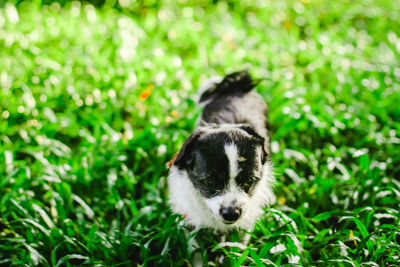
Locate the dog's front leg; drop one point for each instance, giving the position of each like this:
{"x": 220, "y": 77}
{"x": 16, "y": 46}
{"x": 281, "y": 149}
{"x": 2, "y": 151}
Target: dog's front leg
{"x": 194, "y": 247}
{"x": 245, "y": 237}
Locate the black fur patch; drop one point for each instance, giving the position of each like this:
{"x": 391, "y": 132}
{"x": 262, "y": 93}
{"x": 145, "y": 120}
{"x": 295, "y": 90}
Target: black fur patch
{"x": 209, "y": 170}
{"x": 248, "y": 175}
{"x": 235, "y": 82}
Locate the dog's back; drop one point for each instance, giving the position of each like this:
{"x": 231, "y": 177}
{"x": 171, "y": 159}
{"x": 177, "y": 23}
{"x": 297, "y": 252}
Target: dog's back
{"x": 232, "y": 101}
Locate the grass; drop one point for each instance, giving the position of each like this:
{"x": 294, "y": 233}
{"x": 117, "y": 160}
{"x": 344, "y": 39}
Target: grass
{"x": 95, "y": 101}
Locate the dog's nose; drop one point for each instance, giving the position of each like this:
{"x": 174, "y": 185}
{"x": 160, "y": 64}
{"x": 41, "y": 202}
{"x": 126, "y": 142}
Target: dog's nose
{"x": 230, "y": 214}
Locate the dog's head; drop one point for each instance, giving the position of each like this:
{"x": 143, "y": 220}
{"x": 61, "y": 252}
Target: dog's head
{"x": 225, "y": 165}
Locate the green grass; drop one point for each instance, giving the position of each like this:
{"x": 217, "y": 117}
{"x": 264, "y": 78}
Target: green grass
{"x": 83, "y": 151}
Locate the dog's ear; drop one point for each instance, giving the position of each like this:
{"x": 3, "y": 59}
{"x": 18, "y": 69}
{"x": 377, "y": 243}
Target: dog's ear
{"x": 261, "y": 140}
{"x": 185, "y": 155}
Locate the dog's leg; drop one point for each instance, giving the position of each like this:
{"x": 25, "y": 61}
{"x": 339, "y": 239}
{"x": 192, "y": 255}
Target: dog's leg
{"x": 197, "y": 258}
{"x": 223, "y": 239}
{"x": 245, "y": 238}
{"x": 226, "y": 240}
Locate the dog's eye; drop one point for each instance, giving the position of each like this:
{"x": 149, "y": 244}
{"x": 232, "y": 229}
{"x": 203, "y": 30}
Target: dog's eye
{"x": 247, "y": 186}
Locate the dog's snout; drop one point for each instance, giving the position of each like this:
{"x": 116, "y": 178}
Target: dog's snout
{"x": 230, "y": 214}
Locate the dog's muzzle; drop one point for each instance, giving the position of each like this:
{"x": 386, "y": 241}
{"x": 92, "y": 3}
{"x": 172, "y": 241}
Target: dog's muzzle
{"x": 230, "y": 214}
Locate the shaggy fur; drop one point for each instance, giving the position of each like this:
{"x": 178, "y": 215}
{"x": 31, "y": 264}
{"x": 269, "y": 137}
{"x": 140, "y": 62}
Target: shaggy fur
{"x": 222, "y": 176}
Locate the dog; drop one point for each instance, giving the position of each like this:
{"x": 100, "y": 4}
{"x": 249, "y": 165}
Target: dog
{"x": 222, "y": 176}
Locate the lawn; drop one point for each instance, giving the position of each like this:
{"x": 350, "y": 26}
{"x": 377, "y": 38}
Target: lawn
{"x": 94, "y": 102}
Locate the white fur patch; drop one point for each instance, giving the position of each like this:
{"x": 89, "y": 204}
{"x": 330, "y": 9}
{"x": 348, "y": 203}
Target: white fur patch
{"x": 205, "y": 87}
{"x": 233, "y": 156}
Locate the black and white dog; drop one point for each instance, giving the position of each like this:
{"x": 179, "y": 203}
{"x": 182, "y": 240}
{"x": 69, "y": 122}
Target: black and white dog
{"x": 222, "y": 178}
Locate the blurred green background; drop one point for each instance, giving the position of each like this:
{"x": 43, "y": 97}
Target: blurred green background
{"x": 96, "y": 97}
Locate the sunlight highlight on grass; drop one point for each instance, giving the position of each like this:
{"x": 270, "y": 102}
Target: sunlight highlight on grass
{"x": 95, "y": 101}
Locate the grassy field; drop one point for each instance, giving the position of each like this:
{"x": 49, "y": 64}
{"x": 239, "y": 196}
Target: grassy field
{"x": 95, "y": 101}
